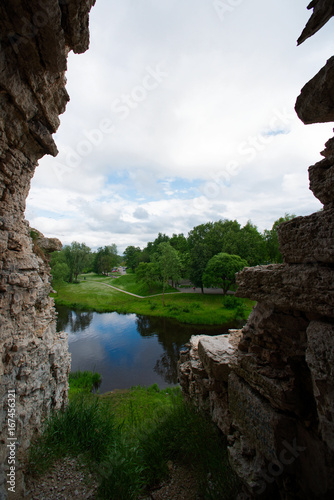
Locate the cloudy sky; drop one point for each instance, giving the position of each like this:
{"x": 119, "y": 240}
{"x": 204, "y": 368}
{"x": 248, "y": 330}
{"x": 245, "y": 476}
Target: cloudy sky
{"x": 182, "y": 112}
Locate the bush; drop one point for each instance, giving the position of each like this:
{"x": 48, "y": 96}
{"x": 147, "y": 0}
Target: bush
{"x": 230, "y": 301}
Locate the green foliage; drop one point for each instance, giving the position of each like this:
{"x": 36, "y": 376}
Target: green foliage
{"x": 85, "y": 427}
{"x": 85, "y": 381}
{"x": 271, "y": 238}
{"x": 60, "y": 274}
{"x": 92, "y": 294}
{"x": 199, "y": 257}
{"x": 132, "y": 256}
{"x": 231, "y": 301}
{"x": 168, "y": 262}
{"x": 221, "y": 269}
{"x": 186, "y": 436}
{"x": 130, "y": 436}
{"x": 105, "y": 259}
{"x": 77, "y": 256}
{"x": 148, "y": 273}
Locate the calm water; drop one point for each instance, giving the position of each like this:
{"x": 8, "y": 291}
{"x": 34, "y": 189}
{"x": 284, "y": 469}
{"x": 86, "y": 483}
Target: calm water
{"x": 128, "y": 349}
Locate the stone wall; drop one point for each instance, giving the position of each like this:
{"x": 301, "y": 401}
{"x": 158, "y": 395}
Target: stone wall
{"x": 270, "y": 387}
{"x": 36, "y": 37}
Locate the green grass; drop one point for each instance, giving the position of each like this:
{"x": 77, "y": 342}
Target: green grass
{"x": 129, "y": 437}
{"x": 92, "y": 294}
{"x": 86, "y": 381}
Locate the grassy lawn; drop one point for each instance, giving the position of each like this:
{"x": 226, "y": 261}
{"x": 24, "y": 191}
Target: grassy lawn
{"x": 92, "y": 294}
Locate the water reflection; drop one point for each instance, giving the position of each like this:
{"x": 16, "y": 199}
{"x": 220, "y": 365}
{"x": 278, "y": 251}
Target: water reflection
{"x": 128, "y": 349}
{"x": 76, "y": 321}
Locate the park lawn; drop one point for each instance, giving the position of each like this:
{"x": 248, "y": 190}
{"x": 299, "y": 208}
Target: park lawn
{"x": 92, "y": 294}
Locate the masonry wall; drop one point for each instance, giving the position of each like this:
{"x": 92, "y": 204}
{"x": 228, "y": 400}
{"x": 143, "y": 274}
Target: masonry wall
{"x": 36, "y": 37}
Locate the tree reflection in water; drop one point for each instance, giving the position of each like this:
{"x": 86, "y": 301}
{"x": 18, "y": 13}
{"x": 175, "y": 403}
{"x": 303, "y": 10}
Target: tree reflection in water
{"x": 75, "y": 320}
{"x": 128, "y": 349}
{"x": 172, "y": 335}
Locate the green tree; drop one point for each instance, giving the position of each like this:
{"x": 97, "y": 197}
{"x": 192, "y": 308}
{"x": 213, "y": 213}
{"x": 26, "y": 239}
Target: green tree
{"x": 59, "y": 269}
{"x": 77, "y": 256}
{"x": 199, "y": 257}
{"x": 60, "y": 274}
{"x": 152, "y": 246}
{"x": 105, "y": 259}
{"x": 132, "y": 256}
{"x": 169, "y": 265}
{"x": 251, "y": 245}
{"x": 221, "y": 269}
{"x": 271, "y": 239}
{"x": 148, "y": 273}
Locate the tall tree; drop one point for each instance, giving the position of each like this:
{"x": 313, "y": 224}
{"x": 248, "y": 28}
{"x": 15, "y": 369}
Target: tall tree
{"x": 105, "y": 259}
{"x": 132, "y": 256}
{"x": 77, "y": 257}
{"x": 271, "y": 239}
{"x": 148, "y": 272}
{"x": 169, "y": 265}
{"x": 251, "y": 245}
{"x": 221, "y": 269}
{"x": 199, "y": 257}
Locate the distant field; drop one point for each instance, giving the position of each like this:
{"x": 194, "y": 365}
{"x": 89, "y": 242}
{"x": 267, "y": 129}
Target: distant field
{"x": 92, "y": 294}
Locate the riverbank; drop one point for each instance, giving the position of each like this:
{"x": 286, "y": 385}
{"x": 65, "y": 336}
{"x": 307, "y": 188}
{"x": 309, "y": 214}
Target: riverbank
{"x": 91, "y": 293}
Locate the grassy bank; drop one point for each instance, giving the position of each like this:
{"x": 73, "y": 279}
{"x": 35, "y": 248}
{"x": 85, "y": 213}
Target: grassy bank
{"x": 132, "y": 440}
{"x": 93, "y": 294}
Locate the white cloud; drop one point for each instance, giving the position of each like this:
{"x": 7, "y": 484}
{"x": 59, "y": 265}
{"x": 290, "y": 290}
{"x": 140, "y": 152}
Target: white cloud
{"x": 179, "y": 116}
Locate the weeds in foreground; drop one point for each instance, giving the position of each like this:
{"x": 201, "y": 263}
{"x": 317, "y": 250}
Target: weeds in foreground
{"x": 85, "y": 381}
{"x": 86, "y": 427}
{"x": 129, "y": 437}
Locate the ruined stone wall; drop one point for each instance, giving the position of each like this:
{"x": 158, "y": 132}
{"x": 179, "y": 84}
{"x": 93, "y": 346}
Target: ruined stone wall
{"x": 270, "y": 387}
{"x": 36, "y": 37}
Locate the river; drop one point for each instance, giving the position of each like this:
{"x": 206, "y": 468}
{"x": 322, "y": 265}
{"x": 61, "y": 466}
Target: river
{"x": 128, "y": 349}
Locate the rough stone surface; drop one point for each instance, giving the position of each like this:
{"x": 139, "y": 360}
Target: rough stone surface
{"x": 323, "y": 11}
{"x": 35, "y": 40}
{"x": 215, "y": 354}
{"x": 203, "y": 374}
{"x": 320, "y": 359}
{"x": 321, "y": 177}
{"x": 290, "y": 286}
{"x": 316, "y": 101}
{"x": 273, "y": 395}
{"x": 296, "y": 244}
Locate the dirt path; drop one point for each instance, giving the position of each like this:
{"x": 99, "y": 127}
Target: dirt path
{"x": 211, "y": 291}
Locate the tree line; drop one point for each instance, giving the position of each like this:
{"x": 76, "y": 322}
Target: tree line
{"x": 209, "y": 255}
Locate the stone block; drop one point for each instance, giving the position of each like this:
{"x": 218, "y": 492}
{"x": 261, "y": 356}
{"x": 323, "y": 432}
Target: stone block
{"x": 320, "y": 359}
{"x": 315, "y": 103}
{"x": 301, "y": 287}
{"x": 216, "y": 354}
{"x": 321, "y": 177}
{"x": 265, "y": 428}
{"x": 308, "y": 239}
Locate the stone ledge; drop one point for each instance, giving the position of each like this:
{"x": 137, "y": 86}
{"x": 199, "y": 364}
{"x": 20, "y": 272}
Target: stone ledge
{"x": 216, "y": 354}
{"x": 321, "y": 177}
{"x": 290, "y": 286}
{"x": 315, "y": 104}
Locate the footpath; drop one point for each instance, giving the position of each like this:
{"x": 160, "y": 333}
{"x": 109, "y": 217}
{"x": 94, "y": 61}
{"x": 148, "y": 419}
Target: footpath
{"x": 213, "y": 291}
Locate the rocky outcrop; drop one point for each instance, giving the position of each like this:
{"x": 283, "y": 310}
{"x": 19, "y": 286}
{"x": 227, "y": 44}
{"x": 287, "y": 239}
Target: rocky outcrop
{"x": 36, "y": 37}
{"x": 272, "y": 392}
